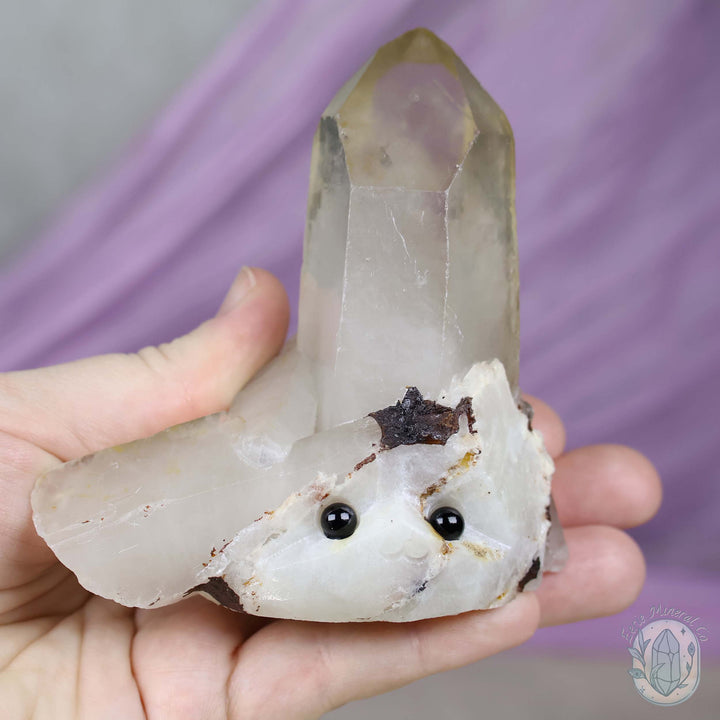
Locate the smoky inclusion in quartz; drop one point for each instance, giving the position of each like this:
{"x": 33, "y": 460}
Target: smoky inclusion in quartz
{"x": 387, "y": 445}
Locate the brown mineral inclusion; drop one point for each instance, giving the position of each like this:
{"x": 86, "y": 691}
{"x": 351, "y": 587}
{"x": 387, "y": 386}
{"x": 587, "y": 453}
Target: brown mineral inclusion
{"x": 415, "y": 420}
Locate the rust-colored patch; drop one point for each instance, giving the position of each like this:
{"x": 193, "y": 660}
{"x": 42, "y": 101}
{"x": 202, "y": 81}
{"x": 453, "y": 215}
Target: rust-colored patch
{"x": 459, "y": 468}
{"x": 367, "y": 460}
{"x": 527, "y": 409}
{"x": 430, "y": 490}
{"x": 464, "y": 407}
{"x": 218, "y": 589}
{"x": 414, "y": 420}
{"x": 447, "y": 549}
{"x": 267, "y": 512}
{"x": 214, "y": 552}
{"x": 500, "y": 597}
{"x": 482, "y": 552}
{"x": 319, "y": 493}
{"x": 531, "y": 574}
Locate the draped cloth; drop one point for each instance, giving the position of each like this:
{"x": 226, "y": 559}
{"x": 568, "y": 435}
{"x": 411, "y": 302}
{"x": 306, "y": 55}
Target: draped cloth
{"x": 616, "y": 110}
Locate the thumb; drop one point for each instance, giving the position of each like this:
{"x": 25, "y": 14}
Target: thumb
{"x": 79, "y": 407}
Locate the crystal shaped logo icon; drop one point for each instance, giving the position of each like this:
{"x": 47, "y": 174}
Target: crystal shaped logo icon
{"x": 666, "y": 662}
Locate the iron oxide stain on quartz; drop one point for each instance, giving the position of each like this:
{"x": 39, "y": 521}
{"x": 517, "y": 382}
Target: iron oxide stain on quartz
{"x": 218, "y": 589}
{"x": 414, "y": 420}
{"x": 531, "y": 574}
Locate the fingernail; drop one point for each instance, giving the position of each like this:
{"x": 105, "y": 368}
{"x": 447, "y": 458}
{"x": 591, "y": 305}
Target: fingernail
{"x": 239, "y": 290}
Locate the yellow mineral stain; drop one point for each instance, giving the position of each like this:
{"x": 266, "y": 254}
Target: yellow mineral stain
{"x": 459, "y": 468}
{"x": 430, "y": 490}
{"x": 482, "y": 552}
{"x": 468, "y": 460}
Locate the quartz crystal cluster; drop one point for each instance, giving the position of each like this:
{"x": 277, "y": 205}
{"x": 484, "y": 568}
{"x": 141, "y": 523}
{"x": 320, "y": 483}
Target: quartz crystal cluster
{"x": 382, "y": 467}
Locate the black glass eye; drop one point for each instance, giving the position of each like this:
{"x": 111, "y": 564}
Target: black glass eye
{"x": 338, "y": 521}
{"x": 447, "y": 522}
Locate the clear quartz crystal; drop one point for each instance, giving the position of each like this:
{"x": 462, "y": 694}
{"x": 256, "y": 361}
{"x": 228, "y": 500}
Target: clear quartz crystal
{"x": 410, "y": 263}
{"x": 409, "y": 279}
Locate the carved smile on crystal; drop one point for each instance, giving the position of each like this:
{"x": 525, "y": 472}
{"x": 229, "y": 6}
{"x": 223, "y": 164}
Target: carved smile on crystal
{"x": 318, "y": 505}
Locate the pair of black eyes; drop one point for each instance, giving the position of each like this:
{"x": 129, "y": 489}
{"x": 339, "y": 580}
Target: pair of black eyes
{"x": 338, "y": 521}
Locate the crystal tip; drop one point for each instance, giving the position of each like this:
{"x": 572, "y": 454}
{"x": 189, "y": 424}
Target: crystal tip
{"x": 418, "y": 45}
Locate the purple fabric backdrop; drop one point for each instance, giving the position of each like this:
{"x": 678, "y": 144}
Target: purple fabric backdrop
{"x": 616, "y": 111}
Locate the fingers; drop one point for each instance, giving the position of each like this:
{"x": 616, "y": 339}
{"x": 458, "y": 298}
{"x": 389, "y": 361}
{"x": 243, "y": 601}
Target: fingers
{"x": 597, "y": 484}
{"x": 604, "y": 574}
{"x": 318, "y": 666}
{"x": 605, "y": 485}
{"x": 182, "y": 656}
{"x": 79, "y": 407}
{"x": 549, "y": 424}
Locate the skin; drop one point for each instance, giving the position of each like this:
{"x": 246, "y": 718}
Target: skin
{"x": 67, "y": 654}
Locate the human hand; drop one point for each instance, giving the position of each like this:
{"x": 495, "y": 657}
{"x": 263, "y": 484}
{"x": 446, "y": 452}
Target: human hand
{"x": 68, "y": 654}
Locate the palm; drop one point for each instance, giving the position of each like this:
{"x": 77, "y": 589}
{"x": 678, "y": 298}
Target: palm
{"x": 67, "y": 653}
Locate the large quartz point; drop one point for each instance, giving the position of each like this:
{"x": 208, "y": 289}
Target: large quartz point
{"x": 383, "y": 466}
{"x": 410, "y": 248}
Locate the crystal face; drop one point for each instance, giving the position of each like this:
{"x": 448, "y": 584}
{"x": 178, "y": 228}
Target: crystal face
{"x": 387, "y": 446}
{"x": 410, "y": 247}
